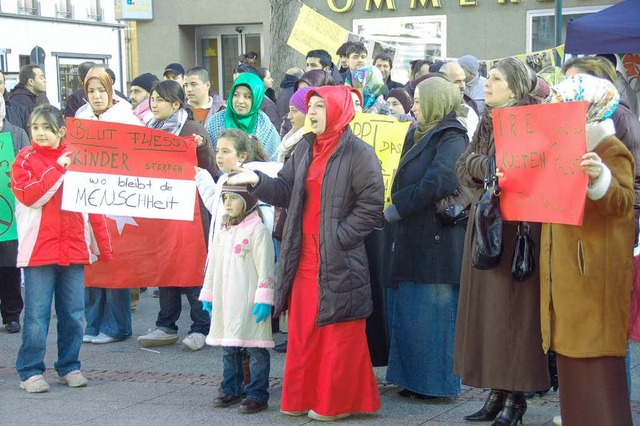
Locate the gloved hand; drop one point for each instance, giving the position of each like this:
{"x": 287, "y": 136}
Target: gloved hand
{"x": 262, "y": 310}
{"x": 207, "y": 306}
{"x": 391, "y": 214}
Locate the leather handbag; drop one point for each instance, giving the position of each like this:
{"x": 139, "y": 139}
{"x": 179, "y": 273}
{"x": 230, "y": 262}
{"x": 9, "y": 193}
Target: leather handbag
{"x": 487, "y": 238}
{"x": 454, "y": 209}
{"x": 523, "y": 263}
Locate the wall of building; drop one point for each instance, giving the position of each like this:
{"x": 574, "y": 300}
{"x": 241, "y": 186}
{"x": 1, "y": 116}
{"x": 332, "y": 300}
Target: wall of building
{"x": 170, "y": 36}
{"x": 60, "y": 38}
{"x": 486, "y": 30}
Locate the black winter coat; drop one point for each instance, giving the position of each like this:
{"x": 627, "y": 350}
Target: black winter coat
{"x": 351, "y": 203}
{"x": 423, "y": 250}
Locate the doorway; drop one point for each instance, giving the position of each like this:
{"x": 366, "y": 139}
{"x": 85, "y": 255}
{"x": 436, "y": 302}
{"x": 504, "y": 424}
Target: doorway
{"x": 218, "y": 48}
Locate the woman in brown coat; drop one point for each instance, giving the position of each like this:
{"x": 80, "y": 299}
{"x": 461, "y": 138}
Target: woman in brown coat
{"x": 586, "y": 271}
{"x": 498, "y": 343}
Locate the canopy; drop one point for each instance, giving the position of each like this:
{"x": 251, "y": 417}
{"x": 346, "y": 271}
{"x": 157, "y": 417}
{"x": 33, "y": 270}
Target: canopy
{"x": 612, "y": 30}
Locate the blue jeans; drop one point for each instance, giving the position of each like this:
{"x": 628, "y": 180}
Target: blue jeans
{"x": 108, "y": 311}
{"x": 171, "y": 307}
{"x": 232, "y": 375}
{"x": 41, "y": 283}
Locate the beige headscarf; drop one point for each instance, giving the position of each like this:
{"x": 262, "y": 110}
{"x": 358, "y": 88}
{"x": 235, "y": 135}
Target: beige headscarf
{"x": 105, "y": 80}
{"x": 437, "y": 98}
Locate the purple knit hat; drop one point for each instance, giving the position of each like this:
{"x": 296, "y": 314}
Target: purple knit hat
{"x": 298, "y": 99}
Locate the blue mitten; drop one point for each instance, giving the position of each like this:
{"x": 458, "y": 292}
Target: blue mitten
{"x": 207, "y": 306}
{"x": 391, "y": 214}
{"x": 262, "y": 310}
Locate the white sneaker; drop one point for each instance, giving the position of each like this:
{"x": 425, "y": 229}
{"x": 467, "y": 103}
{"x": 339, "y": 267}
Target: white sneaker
{"x": 35, "y": 384}
{"x": 557, "y": 421}
{"x": 74, "y": 379}
{"x": 157, "y": 337}
{"x": 194, "y": 341}
{"x": 102, "y": 338}
{"x": 87, "y": 338}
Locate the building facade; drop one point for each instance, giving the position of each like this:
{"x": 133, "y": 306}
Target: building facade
{"x": 213, "y": 33}
{"x": 68, "y": 32}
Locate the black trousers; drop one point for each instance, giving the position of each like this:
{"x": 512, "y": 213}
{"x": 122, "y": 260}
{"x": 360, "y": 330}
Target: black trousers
{"x": 10, "y": 297}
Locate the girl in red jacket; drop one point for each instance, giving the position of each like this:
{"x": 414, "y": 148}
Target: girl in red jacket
{"x": 53, "y": 247}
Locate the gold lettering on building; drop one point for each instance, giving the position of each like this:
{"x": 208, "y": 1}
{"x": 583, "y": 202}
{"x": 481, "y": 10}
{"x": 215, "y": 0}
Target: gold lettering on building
{"x": 378, "y": 4}
{"x": 510, "y": 1}
{"x": 468, "y": 2}
{"x": 434, "y": 3}
{"x": 347, "y": 7}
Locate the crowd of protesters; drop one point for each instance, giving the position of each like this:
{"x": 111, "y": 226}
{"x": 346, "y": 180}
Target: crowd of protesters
{"x": 290, "y": 202}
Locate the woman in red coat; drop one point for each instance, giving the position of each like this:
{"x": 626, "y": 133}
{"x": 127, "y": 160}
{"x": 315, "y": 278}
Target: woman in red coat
{"x": 333, "y": 190}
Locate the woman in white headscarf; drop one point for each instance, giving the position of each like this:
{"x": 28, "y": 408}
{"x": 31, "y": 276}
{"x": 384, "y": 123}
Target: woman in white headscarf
{"x": 586, "y": 271}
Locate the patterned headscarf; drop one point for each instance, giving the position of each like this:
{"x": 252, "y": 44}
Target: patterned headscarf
{"x": 105, "y": 79}
{"x": 437, "y": 97}
{"x": 370, "y": 83}
{"x": 521, "y": 79}
{"x": 247, "y": 122}
{"x": 601, "y": 94}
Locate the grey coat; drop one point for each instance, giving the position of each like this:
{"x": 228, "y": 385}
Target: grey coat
{"x": 352, "y": 197}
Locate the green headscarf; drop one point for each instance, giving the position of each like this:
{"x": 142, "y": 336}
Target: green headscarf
{"x": 437, "y": 98}
{"x": 247, "y": 122}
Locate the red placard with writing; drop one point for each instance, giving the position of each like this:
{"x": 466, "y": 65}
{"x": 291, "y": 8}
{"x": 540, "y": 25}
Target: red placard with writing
{"x": 147, "y": 251}
{"x": 539, "y": 149}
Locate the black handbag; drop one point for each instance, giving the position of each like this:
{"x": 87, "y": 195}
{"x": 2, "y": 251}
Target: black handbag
{"x": 454, "y": 209}
{"x": 487, "y": 237}
{"x": 523, "y": 263}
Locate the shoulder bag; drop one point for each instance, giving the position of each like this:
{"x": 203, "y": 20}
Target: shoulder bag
{"x": 487, "y": 236}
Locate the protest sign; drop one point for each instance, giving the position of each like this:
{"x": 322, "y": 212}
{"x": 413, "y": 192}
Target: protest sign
{"x": 313, "y": 31}
{"x": 8, "y": 230}
{"x": 386, "y": 134}
{"x": 539, "y": 148}
{"x": 129, "y": 170}
{"x": 141, "y": 179}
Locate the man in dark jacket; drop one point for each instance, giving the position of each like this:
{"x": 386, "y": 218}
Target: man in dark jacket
{"x": 284, "y": 95}
{"x": 76, "y": 99}
{"x": 384, "y": 63}
{"x": 31, "y": 84}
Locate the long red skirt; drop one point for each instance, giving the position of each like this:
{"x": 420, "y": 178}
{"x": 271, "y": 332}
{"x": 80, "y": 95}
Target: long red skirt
{"x": 327, "y": 369}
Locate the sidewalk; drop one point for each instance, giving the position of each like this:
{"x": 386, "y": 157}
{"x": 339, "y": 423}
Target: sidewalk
{"x": 172, "y": 385}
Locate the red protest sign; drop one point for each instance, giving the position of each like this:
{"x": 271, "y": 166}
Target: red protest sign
{"x": 539, "y": 149}
{"x": 142, "y": 180}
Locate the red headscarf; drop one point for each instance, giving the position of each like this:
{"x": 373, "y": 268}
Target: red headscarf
{"x": 340, "y": 112}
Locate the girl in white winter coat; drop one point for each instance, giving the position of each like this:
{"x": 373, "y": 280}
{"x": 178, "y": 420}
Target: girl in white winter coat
{"x": 238, "y": 292}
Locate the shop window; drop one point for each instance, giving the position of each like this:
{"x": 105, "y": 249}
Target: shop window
{"x": 64, "y": 9}
{"x": 95, "y": 11}
{"x": 410, "y": 37}
{"x": 541, "y": 25}
{"x": 29, "y": 7}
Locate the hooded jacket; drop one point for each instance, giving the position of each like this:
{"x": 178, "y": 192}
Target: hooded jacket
{"x": 352, "y": 197}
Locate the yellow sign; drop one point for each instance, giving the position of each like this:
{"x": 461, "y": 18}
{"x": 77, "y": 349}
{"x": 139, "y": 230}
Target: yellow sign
{"x": 314, "y": 31}
{"x": 386, "y": 134}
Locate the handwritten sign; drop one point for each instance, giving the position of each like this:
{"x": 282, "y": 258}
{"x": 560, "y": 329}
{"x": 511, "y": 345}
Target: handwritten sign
{"x": 386, "y": 134}
{"x": 314, "y": 31}
{"x": 8, "y": 230}
{"x": 539, "y": 149}
{"x": 125, "y": 170}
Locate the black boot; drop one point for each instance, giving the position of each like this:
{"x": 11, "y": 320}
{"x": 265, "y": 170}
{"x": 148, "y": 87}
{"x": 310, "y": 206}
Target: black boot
{"x": 515, "y": 406}
{"x": 492, "y": 406}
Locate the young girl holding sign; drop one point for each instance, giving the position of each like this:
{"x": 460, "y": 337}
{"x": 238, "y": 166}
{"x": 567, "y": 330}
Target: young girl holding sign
{"x": 53, "y": 247}
{"x": 238, "y": 292}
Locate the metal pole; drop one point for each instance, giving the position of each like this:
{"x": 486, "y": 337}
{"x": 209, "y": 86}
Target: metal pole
{"x": 558, "y": 13}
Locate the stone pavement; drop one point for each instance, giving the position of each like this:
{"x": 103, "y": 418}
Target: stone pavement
{"x": 172, "y": 385}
